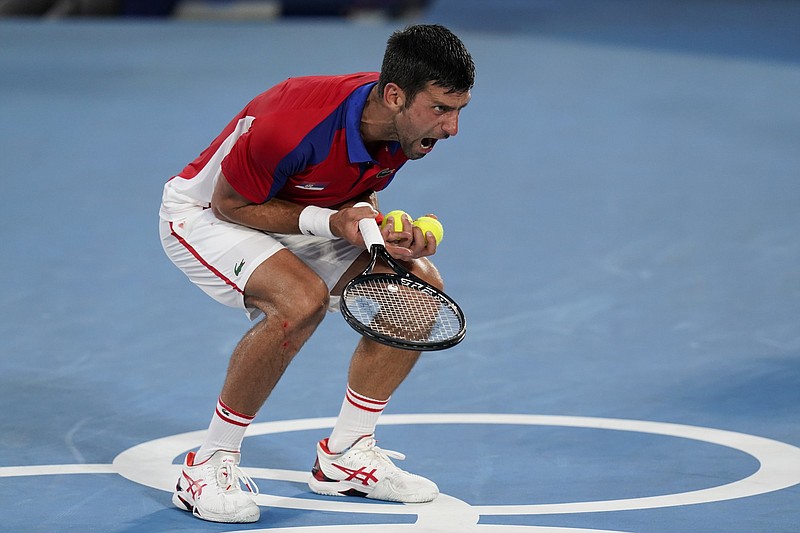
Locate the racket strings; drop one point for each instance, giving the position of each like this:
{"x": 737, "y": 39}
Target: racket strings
{"x": 395, "y": 310}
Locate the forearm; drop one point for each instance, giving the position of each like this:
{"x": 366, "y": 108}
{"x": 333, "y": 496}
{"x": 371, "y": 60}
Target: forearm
{"x": 281, "y": 216}
{"x": 275, "y": 215}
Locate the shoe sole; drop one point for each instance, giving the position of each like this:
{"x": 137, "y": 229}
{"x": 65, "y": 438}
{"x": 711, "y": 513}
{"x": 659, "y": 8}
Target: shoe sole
{"x": 335, "y": 488}
{"x": 342, "y": 489}
{"x": 184, "y": 505}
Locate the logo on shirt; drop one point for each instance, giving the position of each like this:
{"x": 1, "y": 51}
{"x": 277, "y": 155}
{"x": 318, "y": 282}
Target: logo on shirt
{"x": 312, "y": 186}
{"x": 238, "y": 268}
{"x": 385, "y": 172}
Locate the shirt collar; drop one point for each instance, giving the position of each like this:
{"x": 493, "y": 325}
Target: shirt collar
{"x": 356, "y": 150}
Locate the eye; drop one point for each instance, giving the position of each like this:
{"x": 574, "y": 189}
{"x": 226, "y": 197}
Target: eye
{"x": 440, "y": 109}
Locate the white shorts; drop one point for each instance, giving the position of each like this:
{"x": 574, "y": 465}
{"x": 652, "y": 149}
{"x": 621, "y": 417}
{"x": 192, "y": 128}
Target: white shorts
{"x": 219, "y": 257}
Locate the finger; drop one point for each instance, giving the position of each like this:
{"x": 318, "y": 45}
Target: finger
{"x": 389, "y": 235}
{"x": 399, "y": 252}
{"x": 365, "y": 211}
{"x": 424, "y": 244}
{"x": 430, "y": 243}
{"x": 419, "y": 238}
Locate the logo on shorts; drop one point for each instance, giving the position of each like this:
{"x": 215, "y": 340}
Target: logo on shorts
{"x": 238, "y": 268}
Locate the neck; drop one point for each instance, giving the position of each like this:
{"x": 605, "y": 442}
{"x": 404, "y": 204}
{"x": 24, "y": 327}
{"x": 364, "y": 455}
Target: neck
{"x": 376, "y": 120}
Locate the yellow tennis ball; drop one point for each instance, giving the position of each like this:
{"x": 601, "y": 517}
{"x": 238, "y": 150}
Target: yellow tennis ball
{"x": 397, "y": 216}
{"x": 430, "y": 223}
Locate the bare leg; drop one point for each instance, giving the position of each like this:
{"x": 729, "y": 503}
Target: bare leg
{"x": 377, "y": 370}
{"x": 257, "y": 363}
{"x": 294, "y": 301}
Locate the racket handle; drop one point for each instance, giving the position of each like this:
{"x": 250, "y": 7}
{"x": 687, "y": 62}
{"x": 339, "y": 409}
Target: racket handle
{"x": 369, "y": 229}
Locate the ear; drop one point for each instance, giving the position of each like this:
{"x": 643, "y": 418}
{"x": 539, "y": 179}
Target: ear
{"x": 393, "y": 96}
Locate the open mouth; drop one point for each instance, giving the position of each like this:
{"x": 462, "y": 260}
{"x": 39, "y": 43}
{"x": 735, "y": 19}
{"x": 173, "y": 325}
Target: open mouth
{"x": 427, "y": 143}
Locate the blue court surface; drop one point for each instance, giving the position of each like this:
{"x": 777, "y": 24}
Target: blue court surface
{"x": 622, "y": 226}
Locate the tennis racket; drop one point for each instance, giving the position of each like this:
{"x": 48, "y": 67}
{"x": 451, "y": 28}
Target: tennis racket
{"x": 399, "y": 309}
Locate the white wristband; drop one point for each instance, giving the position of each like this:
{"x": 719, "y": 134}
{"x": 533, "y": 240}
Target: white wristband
{"x": 316, "y": 221}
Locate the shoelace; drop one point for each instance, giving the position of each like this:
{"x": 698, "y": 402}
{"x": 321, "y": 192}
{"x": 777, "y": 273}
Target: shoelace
{"x": 374, "y": 453}
{"x": 229, "y": 474}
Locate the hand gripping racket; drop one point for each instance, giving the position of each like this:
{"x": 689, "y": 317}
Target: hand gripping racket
{"x": 399, "y": 309}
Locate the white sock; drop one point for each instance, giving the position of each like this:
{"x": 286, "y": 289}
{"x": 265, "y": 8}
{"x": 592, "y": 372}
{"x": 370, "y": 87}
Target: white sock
{"x": 358, "y": 417}
{"x": 225, "y": 432}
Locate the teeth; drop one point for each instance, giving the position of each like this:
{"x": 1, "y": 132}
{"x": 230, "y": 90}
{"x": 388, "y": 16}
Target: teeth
{"x": 427, "y": 143}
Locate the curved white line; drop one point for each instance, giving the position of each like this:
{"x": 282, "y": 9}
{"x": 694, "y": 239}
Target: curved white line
{"x": 153, "y": 464}
{"x": 780, "y": 462}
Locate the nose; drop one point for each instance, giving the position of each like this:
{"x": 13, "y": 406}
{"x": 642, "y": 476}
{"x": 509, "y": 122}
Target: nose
{"x": 450, "y": 125}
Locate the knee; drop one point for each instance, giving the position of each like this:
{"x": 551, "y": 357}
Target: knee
{"x": 307, "y": 303}
{"x": 302, "y": 307}
{"x": 298, "y": 304}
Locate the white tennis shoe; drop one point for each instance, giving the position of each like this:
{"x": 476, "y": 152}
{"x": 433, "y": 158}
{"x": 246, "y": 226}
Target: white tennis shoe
{"x": 366, "y": 470}
{"x": 212, "y": 491}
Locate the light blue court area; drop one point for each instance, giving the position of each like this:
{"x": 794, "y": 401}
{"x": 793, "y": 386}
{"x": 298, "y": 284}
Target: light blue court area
{"x": 622, "y": 227}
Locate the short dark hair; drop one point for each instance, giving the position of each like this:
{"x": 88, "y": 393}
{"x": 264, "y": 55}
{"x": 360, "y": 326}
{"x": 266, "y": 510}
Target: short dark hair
{"x": 426, "y": 53}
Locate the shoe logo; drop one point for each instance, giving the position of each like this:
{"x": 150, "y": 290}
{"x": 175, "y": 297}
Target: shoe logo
{"x": 227, "y": 478}
{"x": 238, "y": 268}
{"x": 359, "y": 475}
{"x": 195, "y": 488}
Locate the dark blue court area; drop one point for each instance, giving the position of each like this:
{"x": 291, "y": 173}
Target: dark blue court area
{"x": 622, "y": 227}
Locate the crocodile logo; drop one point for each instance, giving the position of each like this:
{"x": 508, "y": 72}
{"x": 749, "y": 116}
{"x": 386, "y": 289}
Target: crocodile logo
{"x": 238, "y": 268}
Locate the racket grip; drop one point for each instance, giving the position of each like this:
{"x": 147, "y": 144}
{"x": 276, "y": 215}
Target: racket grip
{"x": 369, "y": 229}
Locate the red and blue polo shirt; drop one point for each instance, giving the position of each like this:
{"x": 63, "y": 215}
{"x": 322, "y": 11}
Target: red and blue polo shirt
{"x": 298, "y": 141}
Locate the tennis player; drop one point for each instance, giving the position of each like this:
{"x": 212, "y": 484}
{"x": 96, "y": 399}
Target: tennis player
{"x": 263, "y": 220}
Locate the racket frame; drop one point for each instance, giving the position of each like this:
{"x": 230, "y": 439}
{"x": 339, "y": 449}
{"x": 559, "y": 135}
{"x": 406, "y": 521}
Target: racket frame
{"x": 374, "y": 240}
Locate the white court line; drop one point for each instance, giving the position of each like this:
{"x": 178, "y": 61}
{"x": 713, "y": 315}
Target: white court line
{"x": 147, "y": 463}
{"x": 152, "y": 464}
{"x": 53, "y": 470}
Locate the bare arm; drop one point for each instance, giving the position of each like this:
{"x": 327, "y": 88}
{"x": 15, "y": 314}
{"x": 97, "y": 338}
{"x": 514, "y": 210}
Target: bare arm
{"x": 278, "y": 216}
{"x": 281, "y": 216}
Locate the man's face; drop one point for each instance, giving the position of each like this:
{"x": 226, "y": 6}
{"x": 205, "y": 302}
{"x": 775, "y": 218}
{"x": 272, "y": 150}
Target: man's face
{"x": 432, "y": 115}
